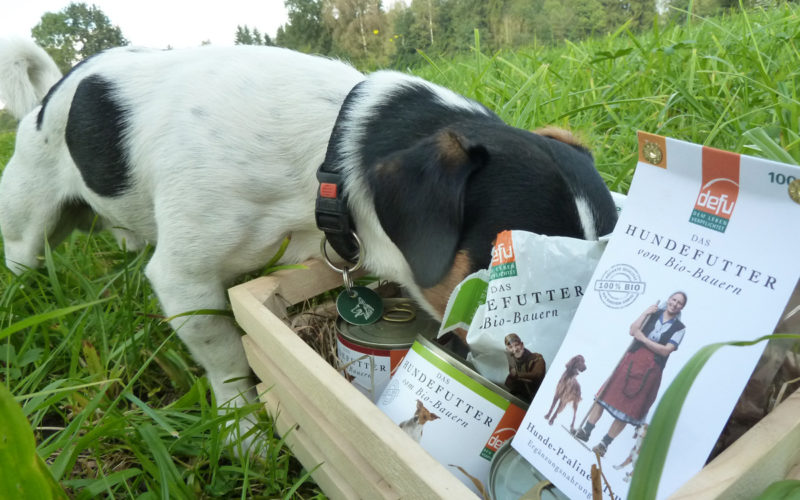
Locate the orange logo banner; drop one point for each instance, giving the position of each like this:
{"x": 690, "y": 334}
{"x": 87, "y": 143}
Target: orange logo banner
{"x": 719, "y": 190}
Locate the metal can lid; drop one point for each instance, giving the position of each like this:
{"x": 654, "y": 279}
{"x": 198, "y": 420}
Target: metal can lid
{"x": 463, "y": 366}
{"x": 512, "y": 477}
{"x": 401, "y": 323}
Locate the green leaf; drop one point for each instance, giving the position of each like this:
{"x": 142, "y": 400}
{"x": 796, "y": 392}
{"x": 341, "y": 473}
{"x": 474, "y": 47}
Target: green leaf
{"x": 23, "y": 474}
{"x": 275, "y": 258}
{"x": 41, "y": 318}
{"x": 201, "y": 312}
{"x": 767, "y": 146}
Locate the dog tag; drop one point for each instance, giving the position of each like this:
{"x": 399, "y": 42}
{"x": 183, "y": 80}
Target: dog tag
{"x": 361, "y": 306}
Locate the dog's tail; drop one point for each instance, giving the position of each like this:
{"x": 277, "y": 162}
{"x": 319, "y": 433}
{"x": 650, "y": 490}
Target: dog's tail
{"x": 26, "y": 74}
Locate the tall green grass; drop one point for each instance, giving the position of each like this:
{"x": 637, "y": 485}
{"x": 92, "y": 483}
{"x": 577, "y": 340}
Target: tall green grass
{"x": 117, "y": 406}
{"x": 119, "y": 409}
{"x": 729, "y": 82}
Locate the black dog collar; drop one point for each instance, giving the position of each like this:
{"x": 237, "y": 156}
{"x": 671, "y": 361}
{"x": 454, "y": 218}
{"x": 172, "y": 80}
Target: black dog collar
{"x": 331, "y": 211}
{"x": 333, "y": 216}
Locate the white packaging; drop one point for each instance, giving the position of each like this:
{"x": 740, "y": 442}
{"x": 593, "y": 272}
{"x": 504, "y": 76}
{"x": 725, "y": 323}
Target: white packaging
{"x": 532, "y": 289}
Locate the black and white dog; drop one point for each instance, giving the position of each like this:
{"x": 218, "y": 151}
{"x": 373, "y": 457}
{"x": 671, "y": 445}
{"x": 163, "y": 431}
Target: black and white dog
{"x": 211, "y": 154}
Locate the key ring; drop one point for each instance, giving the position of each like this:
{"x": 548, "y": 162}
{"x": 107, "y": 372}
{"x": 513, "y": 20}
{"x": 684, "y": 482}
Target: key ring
{"x": 348, "y": 282}
{"x": 357, "y": 305}
{"x": 361, "y": 251}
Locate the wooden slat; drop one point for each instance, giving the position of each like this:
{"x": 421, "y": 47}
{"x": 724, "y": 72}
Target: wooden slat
{"x": 768, "y": 452}
{"x": 332, "y": 406}
{"x": 339, "y": 459}
{"x": 327, "y": 477}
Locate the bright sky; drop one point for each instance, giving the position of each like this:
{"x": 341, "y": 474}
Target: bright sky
{"x": 159, "y": 23}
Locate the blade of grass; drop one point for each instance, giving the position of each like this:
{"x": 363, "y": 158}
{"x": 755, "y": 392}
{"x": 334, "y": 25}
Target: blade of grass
{"x": 41, "y": 318}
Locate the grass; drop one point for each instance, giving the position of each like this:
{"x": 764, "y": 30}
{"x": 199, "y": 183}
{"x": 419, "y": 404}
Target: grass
{"x": 119, "y": 409}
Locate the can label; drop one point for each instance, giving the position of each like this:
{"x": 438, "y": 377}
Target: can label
{"x": 458, "y": 420}
{"x": 368, "y": 369}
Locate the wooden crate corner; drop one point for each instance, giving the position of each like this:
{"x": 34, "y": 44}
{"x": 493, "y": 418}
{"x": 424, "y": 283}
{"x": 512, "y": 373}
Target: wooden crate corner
{"x": 353, "y": 449}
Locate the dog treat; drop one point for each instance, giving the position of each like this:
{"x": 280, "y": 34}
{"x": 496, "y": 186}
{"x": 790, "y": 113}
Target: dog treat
{"x": 511, "y": 477}
{"x": 454, "y": 413}
{"x": 369, "y": 354}
{"x": 517, "y": 312}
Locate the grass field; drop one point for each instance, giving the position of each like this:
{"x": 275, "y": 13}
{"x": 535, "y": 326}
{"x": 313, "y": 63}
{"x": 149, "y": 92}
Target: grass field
{"x": 119, "y": 409}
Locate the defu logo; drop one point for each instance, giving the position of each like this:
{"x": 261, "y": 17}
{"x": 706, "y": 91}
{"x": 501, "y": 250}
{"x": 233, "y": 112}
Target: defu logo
{"x": 503, "y": 249}
{"x": 719, "y": 190}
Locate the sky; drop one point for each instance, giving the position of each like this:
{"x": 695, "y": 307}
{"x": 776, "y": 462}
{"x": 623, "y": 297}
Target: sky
{"x": 158, "y": 23}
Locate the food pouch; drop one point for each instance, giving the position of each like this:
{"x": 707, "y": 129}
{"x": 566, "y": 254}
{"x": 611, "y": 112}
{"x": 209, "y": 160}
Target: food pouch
{"x": 517, "y": 312}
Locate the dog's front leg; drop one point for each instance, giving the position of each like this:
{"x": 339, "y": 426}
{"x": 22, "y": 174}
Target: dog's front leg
{"x": 213, "y": 341}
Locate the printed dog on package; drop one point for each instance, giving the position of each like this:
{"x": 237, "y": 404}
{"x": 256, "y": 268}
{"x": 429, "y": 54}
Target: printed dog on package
{"x": 638, "y": 435}
{"x": 212, "y": 154}
{"x": 413, "y": 426}
{"x": 568, "y": 390}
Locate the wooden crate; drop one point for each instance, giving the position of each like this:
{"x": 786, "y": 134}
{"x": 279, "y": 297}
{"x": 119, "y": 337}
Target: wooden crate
{"x": 354, "y": 449}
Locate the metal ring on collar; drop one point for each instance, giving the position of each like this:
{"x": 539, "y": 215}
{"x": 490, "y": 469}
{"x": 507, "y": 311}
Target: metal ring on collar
{"x": 324, "y": 250}
{"x": 348, "y": 283}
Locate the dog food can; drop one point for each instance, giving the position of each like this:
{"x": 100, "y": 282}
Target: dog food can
{"x": 512, "y": 477}
{"x": 369, "y": 354}
{"x": 458, "y": 416}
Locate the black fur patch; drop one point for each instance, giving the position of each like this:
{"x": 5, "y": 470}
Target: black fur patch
{"x": 94, "y": 133}
{"x": 434, "y": 200}
{"x": 447, "y": 179}
{"x": 531, "y": 184}
{"x": 412, "y": 114}
{"x": 418, "y": 163}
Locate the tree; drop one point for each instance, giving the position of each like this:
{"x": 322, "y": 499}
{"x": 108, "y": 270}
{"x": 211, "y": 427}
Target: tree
{"x": 466, "y": 16}
{"x": 426, "y": 25}
{"x": 514, "y": 23}
{"x": 359, "y": 31}
{"x": 306, "y": 30}
{"x": 75, "y": 33}
{"x": 244, "y": 36}
{"x": 640, "y": 13}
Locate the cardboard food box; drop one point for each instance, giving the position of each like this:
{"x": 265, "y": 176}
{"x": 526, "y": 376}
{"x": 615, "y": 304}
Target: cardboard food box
{"x": 355, "y": 451}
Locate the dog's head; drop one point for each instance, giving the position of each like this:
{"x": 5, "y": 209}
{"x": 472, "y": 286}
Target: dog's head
{"x": 443, "y": 200}
{"x": 423, "y": 415}
{"x": 34, "y": 206}
{"x": 576, "y": 364}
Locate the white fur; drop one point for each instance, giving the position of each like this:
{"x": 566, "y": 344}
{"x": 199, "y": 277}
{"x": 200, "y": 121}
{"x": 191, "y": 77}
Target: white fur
{"x": 220, "y": 174}
{"x": 586, "y": 216}
{"x": 28, "y": 73}
{"x": 413, "y": 428}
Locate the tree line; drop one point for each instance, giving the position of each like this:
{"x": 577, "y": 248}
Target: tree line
{"x": 373, "y": 33}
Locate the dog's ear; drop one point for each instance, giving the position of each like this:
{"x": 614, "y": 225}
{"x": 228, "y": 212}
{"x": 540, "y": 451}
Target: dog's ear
{"x": 419, "y": 198}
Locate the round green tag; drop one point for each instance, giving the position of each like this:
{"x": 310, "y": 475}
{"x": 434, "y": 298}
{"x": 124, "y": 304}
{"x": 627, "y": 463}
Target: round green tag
{"x": 361, "y": 306}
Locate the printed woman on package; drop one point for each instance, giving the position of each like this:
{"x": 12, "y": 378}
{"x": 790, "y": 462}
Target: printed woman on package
{"x": 525, "y": 368}
{"x": 633, "y": 385}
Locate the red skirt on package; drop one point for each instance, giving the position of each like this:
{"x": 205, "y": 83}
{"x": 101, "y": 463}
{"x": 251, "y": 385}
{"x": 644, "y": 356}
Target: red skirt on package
{"x": 632, "y": 387}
